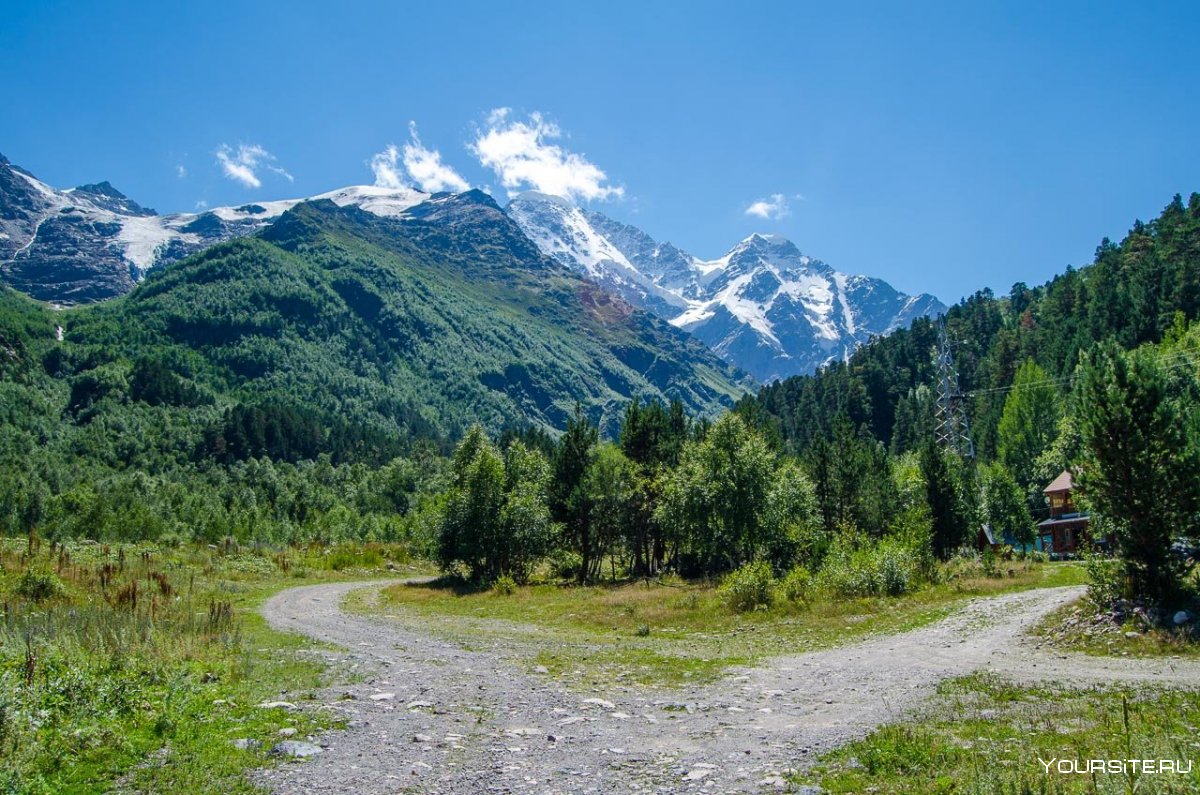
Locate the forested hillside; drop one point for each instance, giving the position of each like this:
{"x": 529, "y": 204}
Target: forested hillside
{"x": 1132, "y": 294}
{"x": 258, "y": 384}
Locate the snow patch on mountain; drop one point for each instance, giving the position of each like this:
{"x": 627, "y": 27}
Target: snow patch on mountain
{"x": 103, "y": 242}
{"x": 765, "y": 306}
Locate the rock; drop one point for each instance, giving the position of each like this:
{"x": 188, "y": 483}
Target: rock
{"x": 809, "y": 789}
{"x": 696, "y": 774}
{"x": 541, "y": 669}
{"x": 1132, "y": 634}
{"x": 1182, "y": 617}
{"x": 778, "y": 782}
{"x": 382, "y": 696}
{"x": 278, "y": 705}
{"x": 246, "y": 744}
{"x": 295, "y": 749}
{"x": 419, "y": 705}
{"x": 599, "y": 702}
{"x": 422, "y": 738}
{"x": 288, "y": 732}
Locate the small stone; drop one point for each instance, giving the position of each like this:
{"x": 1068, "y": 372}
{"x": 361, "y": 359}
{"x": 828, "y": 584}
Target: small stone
{"x": 295, "y": 749}
{"x": 278, "y": 705}
{"x": 288, "y": 732}
{"x": 246, "y": 744}
{"x": 541, "y": 669}
{"x": 419, "y": 705}
{"x": 382, "y": 696}
{"x": 1182, "y": 617}
{"x": 422, "y": 738}
{"x": 696, "y": 774}
{"x": 599, "y": 702}
{"x": 1132, "y": 634}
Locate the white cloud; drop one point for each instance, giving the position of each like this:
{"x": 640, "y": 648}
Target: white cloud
{"x": 422, "y": 167}
{"x": 426, "y": 168}
{"x": 771, "y": 208}
{"x": 180, "y": 171}
{"x": 522, "y": 157}
{"x": 243, "y": 164}
{"x": 384, "y": 164}
{"x": 201, "y": 204}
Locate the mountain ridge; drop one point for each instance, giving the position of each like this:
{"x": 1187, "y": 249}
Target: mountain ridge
{"x": 442, "y": 317}
{"x": 765, "y": 306}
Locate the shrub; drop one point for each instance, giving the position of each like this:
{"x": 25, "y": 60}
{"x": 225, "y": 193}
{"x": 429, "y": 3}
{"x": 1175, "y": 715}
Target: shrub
{"x": 987, "y": 560}
{"x": 504, "y": 585}
{"x": 795, "y": 586}
{"x": 748, "y": 588}
{"x": 856, "y": 566}
{"x": 38, "y": 586}
{"x": 1107, "y": 581}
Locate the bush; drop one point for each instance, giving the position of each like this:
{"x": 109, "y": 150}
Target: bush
{"x": 856, "y": 566}
{"x": 748, "y": 588}
{"x": 1107, "y": 581}
{"x": 504, "y": 585}
{"x": 38, "y": 586}
{"x": 795, "y": 586}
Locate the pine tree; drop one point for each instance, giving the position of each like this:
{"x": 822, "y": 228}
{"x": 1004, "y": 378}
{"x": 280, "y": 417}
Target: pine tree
{"x": 1141, "y": 474}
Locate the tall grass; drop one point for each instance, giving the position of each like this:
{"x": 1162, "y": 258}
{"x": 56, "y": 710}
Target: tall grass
{"x": 110, "y": 652}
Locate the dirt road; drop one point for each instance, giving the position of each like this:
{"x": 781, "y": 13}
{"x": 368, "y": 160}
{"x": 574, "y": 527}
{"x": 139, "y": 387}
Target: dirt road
{"x": 428, "y": 716}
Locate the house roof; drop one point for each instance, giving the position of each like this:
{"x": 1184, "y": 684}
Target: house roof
{"x": 1063, "y": 482}
{"x": 1075, "y": 518}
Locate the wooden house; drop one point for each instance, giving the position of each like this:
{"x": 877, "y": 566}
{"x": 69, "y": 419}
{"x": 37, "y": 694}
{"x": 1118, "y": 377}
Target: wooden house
{"x": 1066, "y": 531}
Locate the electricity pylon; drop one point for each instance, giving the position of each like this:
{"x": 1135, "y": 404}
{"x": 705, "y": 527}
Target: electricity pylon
{"x": 951, "y": 428}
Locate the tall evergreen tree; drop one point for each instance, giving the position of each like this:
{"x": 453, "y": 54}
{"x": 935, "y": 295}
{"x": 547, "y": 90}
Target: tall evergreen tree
{"x": 942, "y": 495}
{"x": 569, "y": 501}
{"x": 1141, "y": 474}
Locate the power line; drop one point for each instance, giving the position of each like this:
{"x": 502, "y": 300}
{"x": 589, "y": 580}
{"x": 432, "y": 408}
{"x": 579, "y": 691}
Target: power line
{"x": 1190, "y": 357}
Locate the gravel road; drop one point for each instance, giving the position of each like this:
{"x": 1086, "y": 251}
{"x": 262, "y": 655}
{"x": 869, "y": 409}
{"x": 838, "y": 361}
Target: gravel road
{"x": 426, "y": 715}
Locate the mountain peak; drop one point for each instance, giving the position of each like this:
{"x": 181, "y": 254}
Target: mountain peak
{"x": 538, "y": 196}
{"x": 102, "y": 189}
{"x": 764, "y": 306}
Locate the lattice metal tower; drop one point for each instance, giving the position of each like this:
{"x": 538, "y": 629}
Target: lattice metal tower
{"x": 951, "y": 428}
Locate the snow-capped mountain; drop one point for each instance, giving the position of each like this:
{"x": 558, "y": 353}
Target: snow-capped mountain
{"x": 764, "y": 306}
{"x": 93, "y": 242}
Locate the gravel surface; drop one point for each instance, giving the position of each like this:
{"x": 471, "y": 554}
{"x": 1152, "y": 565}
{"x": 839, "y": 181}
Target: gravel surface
{"x": 427, "y": 716}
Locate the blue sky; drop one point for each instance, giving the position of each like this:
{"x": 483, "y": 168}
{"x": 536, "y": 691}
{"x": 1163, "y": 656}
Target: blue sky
{"x": 943, "y": 147}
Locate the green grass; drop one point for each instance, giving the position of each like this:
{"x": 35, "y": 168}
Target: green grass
{"x": 984, "y": 737}
{"x": 673, "y": 631}
{"x": 100, "y": 691}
